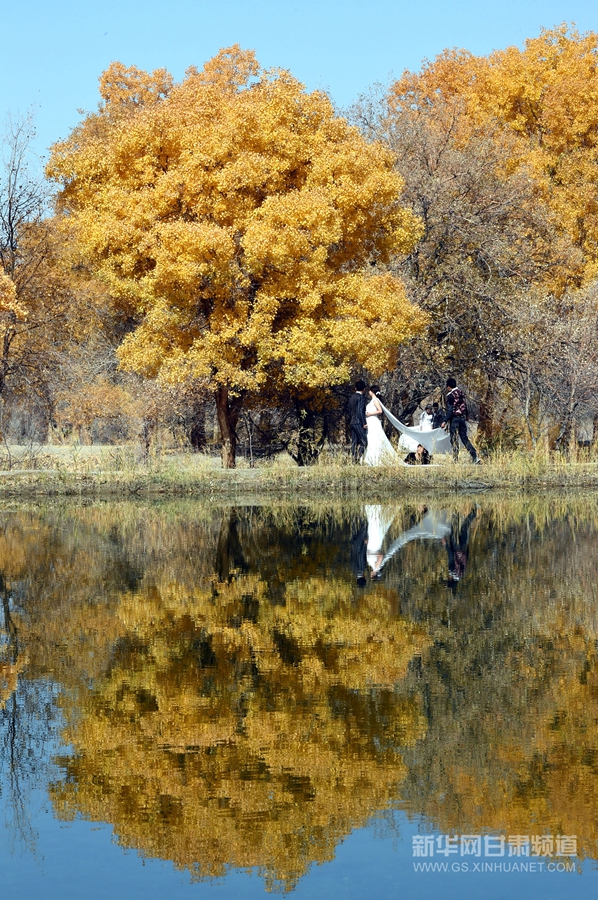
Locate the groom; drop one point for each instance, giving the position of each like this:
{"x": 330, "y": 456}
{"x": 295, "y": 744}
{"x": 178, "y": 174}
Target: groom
{"x": 358, "y": 422}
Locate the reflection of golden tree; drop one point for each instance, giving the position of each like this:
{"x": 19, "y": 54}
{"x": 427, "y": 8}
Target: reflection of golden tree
{"x": 230, "y": 731}
{"x": 507, "y": 771}
{"x": 512, "y": 678}
{"x": 255, "y": 720}
{"x": 57, "y": 571}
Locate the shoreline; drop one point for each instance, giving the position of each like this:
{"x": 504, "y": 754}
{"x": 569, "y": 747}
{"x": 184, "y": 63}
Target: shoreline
{"x": 331, "y": 482}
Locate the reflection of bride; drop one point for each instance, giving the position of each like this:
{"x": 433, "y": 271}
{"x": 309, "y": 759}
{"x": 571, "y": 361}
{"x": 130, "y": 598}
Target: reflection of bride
{"x": 379, "y": 521}
{"x": 379, "y": 450}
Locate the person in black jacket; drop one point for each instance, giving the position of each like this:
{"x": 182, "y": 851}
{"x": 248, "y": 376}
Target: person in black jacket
{"x": 438, "y": 416}
{"x": 456, "y": 420}
{"x": 358, "y": 422}
{"x": 420, "y": 457}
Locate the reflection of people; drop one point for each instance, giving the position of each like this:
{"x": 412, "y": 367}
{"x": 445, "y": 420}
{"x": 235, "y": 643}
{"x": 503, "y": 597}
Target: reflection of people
{"x": 432, "y": 526}
{"x": 420, "y": 457}
{"x": 379, "y": 521}
{"x": 357, "y": 421}
{"x": 379, "y": 450}
{"x": 456, "y": 420}
{"x": 457, "y": 549}
{"x": 359, "y": 541}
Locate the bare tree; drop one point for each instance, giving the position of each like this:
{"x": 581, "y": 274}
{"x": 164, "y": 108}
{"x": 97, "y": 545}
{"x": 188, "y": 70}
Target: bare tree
{"x": 571, "y": 375}
{"x": 35, "y": 328}
{"x": 23, "y": 197}
{"x": 487, "y": 240}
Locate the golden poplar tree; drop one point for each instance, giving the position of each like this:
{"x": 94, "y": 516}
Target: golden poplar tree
{"x": 546, "y": 97}
{"x": 243, "y": 224}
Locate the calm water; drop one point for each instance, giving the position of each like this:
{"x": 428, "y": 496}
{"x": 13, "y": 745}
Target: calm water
{"x": 214, "y": 702}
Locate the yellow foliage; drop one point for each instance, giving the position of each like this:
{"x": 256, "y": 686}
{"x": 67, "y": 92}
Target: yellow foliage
{"x": 541, "y": 780}
{"x": 228, "y": 704}
{"x": 547, "y": 96}
{"x": 99, "y": 399}
{"x": 238, "y": 218}
{"x": 9, "y": 675}
{"x": 8, "y": 297}
{"x": 215, "y": 738}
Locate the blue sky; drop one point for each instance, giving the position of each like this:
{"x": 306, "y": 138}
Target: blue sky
{"x": 53, "y": 53}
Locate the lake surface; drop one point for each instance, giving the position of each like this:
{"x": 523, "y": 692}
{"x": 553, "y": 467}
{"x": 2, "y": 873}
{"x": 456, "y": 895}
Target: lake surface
{"x": 212, "y": 702}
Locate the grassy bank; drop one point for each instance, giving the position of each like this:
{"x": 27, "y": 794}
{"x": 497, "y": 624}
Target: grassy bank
{"x": 118, "y": 472}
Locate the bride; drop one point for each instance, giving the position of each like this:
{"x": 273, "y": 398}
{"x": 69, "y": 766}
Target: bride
{"x": 379, "y": 450}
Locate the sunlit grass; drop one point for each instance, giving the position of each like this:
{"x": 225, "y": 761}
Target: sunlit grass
{"x": 123, "y": 469}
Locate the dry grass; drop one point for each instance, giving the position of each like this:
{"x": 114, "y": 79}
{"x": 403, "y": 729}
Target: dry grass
{"x": 120, "y": 471}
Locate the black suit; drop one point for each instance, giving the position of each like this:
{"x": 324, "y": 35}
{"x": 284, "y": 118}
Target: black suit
{"x": 359, "y": 437}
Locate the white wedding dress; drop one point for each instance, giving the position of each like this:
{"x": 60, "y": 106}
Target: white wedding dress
{"x": 379, "y": 451}
{"x": 409, "y": 444}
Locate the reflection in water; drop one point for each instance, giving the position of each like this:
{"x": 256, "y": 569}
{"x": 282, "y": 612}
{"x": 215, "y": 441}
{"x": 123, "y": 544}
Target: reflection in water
{"x": 228, "y": 730}
{"x": 237, "y": 694}
{"x": 379, "y": 521}
{"x": 457, "y": 548}
{"x": 27, "y": 724}
{"x": 10, "y": 659}
{"x": 359, "y": 541}
{"x": 432, "y": 526}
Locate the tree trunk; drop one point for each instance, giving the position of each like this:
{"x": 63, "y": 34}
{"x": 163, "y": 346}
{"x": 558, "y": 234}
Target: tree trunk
{"x": 197, "y": 430}
{"x": 527, "y": 413}
{"x": 563, "y": 439}
{"x": 486, "y": 419}
{"x": 565, "y": 435}
{"x": 227, "y": 410}
{"x": 146, "y": 438}
{"x": 312, "y": 431}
